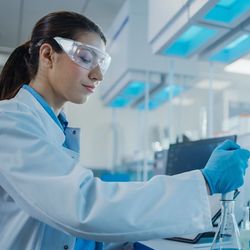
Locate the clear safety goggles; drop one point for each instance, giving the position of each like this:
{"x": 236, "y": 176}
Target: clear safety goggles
{"x": 84, "y": 55}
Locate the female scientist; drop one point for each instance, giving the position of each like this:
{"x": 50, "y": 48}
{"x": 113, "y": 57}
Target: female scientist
{"x": 48, "y": 201}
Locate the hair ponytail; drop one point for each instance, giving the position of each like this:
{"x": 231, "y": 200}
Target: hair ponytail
{"x": 15, "y": 72}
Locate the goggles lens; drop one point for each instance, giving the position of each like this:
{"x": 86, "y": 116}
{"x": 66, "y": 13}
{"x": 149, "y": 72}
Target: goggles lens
{"x": 84, "y": 55}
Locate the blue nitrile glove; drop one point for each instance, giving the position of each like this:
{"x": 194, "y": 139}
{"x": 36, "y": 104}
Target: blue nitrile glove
{"x": 226, "y": 167}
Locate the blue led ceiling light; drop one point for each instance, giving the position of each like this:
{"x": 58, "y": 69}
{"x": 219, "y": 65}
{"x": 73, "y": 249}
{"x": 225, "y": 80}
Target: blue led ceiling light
{"x": 191, "y": 40}
{"x": 234, "y": 50}
{"x": 161, "y": 96}
{"x": 133, "y": 91}
{"x": 119, "y": 102}
{"x": 134, "y": 88}
{"x": 227, "y": 11}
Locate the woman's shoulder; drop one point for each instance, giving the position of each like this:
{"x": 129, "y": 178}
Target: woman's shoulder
{"x": 21, "y": 105}
{"x": 17, "y": 113}
{"x": 14, "y": 105}
{"x": 22, "y": 102}
{"x": 24, "y": 111}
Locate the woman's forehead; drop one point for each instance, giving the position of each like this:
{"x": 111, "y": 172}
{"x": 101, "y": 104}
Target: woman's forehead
{"x": 92, "y": 39}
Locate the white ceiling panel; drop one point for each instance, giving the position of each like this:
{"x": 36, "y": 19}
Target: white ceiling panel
{"x": 103, "y": 12}
{"x": 34, "y": 10}
{"x": 18, "y": 17}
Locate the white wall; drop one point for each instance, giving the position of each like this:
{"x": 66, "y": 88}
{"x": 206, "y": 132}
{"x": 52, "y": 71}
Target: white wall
{"x": 97, "y": 145}
{"x": 95, "y": 121}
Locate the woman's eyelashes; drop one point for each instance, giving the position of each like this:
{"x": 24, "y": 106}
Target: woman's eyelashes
{"x": 86, "y": 57}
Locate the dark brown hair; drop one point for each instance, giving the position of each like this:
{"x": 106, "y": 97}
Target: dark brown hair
{"x": 22, "y": 65}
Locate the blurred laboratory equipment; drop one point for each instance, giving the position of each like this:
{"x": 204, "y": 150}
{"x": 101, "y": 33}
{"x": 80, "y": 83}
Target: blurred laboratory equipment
{"x": 203, "y": 122}
{"x": 245, "y": 228}
{"x": 227, "y": 237}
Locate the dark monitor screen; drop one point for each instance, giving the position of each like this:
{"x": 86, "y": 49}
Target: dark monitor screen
{"x": 183, "y": 157}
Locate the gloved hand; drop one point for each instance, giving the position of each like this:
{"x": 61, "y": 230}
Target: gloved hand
{"x": 225, "y": 169}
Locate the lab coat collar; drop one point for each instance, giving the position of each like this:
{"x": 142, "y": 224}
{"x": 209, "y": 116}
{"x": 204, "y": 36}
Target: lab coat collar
{"x": 63, "y": 135}
{"x": 46, "y": 106}
{"x": 72, "y": 135}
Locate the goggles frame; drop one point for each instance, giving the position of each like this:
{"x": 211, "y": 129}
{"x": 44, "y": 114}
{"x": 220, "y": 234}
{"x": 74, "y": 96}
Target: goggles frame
{"x": 73, "y": 48}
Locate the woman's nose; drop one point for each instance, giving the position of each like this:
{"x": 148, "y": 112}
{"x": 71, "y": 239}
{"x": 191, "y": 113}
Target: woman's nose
{"x": 95, "y": 74}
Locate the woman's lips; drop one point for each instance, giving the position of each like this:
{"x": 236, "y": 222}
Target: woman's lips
{"x": 89, "y": 88}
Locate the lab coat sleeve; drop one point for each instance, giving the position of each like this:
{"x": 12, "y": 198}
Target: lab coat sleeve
{"x": 51, "y": 186}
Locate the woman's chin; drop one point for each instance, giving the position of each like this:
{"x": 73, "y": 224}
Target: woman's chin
{"x": 82, "y": 100}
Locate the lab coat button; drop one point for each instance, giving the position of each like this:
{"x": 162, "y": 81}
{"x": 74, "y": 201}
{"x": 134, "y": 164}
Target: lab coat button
{"x": 66, "y": 247}
{"x": 74, "y": 132}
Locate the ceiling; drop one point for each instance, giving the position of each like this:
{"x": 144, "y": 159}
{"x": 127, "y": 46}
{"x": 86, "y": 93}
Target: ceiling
{"x": 17, "y": 17}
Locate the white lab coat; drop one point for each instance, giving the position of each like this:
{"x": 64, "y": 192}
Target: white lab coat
{"x": 47, "y": 198}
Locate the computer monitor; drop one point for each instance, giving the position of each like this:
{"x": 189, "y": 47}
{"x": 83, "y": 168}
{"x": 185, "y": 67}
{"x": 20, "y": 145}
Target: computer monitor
{"x": 186, "y": 156}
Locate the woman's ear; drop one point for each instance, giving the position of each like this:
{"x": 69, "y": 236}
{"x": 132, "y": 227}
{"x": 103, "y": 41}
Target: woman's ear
{"x": 46, "y": 53}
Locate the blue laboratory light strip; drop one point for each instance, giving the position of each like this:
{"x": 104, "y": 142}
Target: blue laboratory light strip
{"x": 162, "y": 96}
{"x": 192, "y": 39}
{"x": 234, "y": 50}
{"x": 119, "y": 102}
{"x": 125, "y": 21}
{"x": 227, "y": 11}
{"x": 133, "y": 91}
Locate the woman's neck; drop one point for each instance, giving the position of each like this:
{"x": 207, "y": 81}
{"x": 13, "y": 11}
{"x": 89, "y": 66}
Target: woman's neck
{"x": 47, "y": 92}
